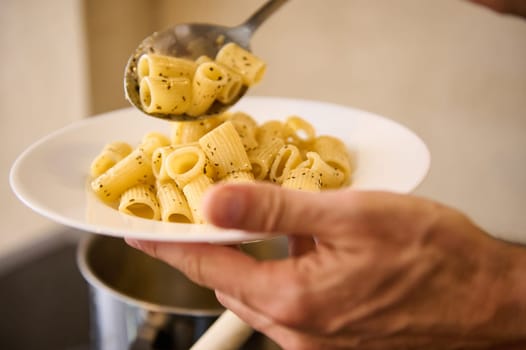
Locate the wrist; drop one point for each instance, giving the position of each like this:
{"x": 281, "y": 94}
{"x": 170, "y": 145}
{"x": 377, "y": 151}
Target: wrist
{"x": 508, "y": 266}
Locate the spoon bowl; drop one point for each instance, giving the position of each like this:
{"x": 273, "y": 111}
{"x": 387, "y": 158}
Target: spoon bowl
{"x": 191, "y": 41}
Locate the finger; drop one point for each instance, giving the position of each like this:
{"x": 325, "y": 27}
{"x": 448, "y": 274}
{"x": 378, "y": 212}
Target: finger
{"x": 223, "y": 268}
{"x": 201, "y": 262}
{"x": 299, "y": 245}
{"x": 270, "y": 208}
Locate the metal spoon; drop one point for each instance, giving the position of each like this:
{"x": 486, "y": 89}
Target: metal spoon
{"x": 192, "y": 41}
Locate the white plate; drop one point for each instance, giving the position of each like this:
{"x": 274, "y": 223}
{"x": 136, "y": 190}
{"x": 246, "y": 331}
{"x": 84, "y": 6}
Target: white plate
{"x": 51, "y": 176}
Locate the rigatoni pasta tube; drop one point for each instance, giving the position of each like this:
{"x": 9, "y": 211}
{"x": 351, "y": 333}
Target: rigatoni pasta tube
{"x": 270, "y": 130}
{"x": 165, "y": 95}
{"x": 239, "y": 177}
{"x": 158, "y": 162}
{"x": 334, "y": 152}
{"x": 262, "y": 156}
{"x": 303, "y": 179}
{"x": 184, "y": 164}
{"x": 246, "y": 127}
{"x": 172, "y": 203}
{"x": 208, "y": 81}
{"x": 153, "y": 140}
{"x": 134, "y": 169}
{"x": 302, "y": 132}
{"x": 288, "y": 158}
{"x": 192, "y": 130}
{"x": 231, "y": 91}
{"x": 224, "y": 149}
{"x": 194, "y": 192}
{"x": 161, "y": 66}
{"x": 203, "y": 59}
{"x": 110, "y": 155}
{"x": 141, "y": 201}
{"x": 331, "y": 177}
{"x": 250, "y": 67}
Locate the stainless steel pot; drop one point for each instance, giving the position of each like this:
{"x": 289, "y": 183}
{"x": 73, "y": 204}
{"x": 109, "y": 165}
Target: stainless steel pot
{"x": 141, "y": 303}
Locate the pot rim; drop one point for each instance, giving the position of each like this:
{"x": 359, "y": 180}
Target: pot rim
{"x": 94, "y": 281}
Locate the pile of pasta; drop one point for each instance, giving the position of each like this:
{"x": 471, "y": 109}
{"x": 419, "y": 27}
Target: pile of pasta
{"x": 165, "y": 176}
{"x": 172, "y": 85}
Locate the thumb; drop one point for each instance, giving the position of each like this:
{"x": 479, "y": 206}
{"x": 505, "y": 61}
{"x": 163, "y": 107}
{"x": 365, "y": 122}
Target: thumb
{"x": 269, "y": 208}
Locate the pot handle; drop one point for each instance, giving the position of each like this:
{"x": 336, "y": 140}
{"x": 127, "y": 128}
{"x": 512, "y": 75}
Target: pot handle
{"x": 228, "y": 332}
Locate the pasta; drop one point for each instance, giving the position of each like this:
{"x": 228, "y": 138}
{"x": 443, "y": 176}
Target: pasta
{"x": 159, "y": 162}
{"x": 243, "y": 62}
{"x": 300, "y": 132}
{"x": 303, "y": 179}
{"x": 173, "y": 204}
{"x": 334, "y": 153}
{"x": 134, "y": 169}
{"x": 165, "y": 177}
{"x": 288, "y": 158}
{"x": 153, "y": 140}
{"x": 232, "y": 88}
{"x": 141, "y": 201}
{"x": 154, "y": 65}
{"x": 170, "y": 85}
{"x": 224, "y": 149}
{"x": 239, "y": 176}
{"x": 185, "y": 164}
{"x": 246, "y": 128}
{"x": 187, "y": 131}
{"x": 332, "y": 177}
{"x": 194, "y": 192}
{"x": 165, "y": 95}
{"x": 209, "y": 80}
{"x": 271, "y": 130}
{"x": 110, "y": 155}
{"x": 262, "y": 157}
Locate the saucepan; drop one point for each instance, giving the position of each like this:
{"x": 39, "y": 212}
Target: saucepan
{"x": 138, "y": 302}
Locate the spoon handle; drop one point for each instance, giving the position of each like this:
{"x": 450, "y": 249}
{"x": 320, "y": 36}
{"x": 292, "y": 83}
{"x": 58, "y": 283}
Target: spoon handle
{"x": 264, "y": 12}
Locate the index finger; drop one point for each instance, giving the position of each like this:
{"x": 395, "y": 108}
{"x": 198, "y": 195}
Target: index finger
{"x": 223, "y": 268}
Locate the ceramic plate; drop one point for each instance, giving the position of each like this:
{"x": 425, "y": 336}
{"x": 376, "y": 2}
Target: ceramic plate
{"x": 51, "y": 176}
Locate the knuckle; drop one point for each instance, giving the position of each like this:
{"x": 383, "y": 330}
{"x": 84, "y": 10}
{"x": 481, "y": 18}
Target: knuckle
{"x": 274, "y": 209}
{"x": 268, "y": 199}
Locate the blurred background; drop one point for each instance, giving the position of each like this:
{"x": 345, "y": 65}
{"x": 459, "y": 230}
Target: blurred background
{"x": 453, "y": 72}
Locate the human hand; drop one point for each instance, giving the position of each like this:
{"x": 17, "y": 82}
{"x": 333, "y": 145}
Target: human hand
{"x": 516, "y": 7}
{"x": 387, "y": 271}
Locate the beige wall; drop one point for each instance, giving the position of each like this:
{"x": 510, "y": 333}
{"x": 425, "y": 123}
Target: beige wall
{"x": 453, "y": 72}
{"x": 113, "y": 30}
{"x": 42, "y": 88}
